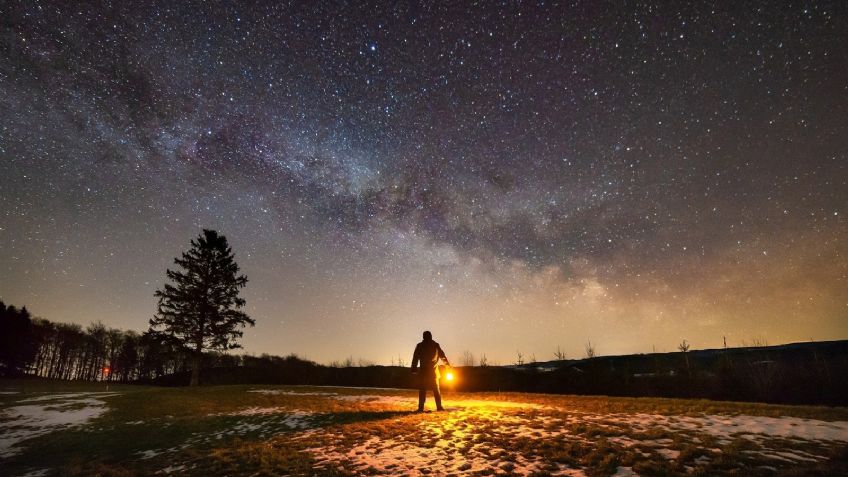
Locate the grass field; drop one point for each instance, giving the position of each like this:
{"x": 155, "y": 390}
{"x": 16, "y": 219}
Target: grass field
{"x": 49, "y": 428}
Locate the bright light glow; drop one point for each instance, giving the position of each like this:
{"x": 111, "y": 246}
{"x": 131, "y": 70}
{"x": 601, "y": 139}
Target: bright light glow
{"x": 449, "y": 376}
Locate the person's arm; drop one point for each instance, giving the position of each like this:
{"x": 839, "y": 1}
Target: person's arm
{"x": 416, "y": 356}
{"x": 443, "y": 356}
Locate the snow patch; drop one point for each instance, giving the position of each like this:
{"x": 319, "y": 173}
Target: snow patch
{"x": 36, "y": 473}
{"x": 730, "y": 426}
{"x": 149, "y": 454}
{"x": 403, "y": 401}
{"x": 67, "y": 396}
{"x": 280, "y": 392}
{"x": 252, "y": 411}
{"x": 669, "y": 454}
{"x": 624, "y": 472}
{"x": 275, "y": 422}
{"x": 398, "y": 457}
{"x": 49, "y": 414}
{"x": 450, "y": 444}
{"x": 172, "y": 468}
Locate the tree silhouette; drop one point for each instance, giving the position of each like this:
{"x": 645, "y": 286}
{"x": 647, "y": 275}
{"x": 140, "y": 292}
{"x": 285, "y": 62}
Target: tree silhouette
{"x": 590, "y": 350}
{"x": 559, "y": 354}
{"x": 684, "y": 348}
{"x": 17, "y": 340}
{"x": 467, "y": 358}
{"x": 200, "y": 310}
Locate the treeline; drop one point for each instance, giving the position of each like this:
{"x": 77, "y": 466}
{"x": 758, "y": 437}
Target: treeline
{"x": 796, "y": 373}
{"x": 799, "y": 373}
{"x": 17, "y": 346}
{"x": 38, "y": 347}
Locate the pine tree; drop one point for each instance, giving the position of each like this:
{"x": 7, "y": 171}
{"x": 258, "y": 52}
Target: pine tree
{"x": 200, "y": 310}
{"x": 17, "y": 340}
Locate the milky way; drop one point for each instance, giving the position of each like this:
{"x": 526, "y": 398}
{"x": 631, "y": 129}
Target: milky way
{"x": 512, "y": 177}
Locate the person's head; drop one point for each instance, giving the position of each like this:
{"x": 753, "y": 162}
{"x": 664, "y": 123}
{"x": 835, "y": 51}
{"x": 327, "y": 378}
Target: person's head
{"x": 428, "y": 336}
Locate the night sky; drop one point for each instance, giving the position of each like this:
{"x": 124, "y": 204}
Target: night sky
{"x": 511, "y": 177}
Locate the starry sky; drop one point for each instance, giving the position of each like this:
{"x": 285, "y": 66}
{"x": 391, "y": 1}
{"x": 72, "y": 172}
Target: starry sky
{"x": 511, "y": 176}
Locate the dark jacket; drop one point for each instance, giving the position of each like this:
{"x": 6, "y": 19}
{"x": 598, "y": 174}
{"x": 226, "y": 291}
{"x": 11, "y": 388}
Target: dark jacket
{"x": 428, "y": 354}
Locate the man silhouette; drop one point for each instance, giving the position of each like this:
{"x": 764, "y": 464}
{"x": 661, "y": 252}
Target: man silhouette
{"x": 428, "y": 352}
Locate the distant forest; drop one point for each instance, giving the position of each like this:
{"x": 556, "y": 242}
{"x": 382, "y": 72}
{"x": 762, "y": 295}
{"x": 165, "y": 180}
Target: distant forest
{"x": 799, "y": 373}
{"x": 38, "y": 347}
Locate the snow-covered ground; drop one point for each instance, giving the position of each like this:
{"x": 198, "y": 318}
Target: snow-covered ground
{"x": 726, "y": 427}
{"x": 276, "y": 417}
{"x": 458, "y": 430}
{"x": 37, "y": 416}
{"x": 462, "y": 440}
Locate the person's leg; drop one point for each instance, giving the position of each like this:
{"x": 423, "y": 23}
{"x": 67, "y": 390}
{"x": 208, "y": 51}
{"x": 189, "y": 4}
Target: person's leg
{"x": 422, "y": 396}
{"x": 437, "y": 395}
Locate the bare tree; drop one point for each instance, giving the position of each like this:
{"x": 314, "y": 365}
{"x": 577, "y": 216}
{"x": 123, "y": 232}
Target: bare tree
{"x": 533, "y": 358}
{"x": 590, "y": 349}
{"x": 483, "y": 360}
{"x": 467, "y": 358}
{"x": 520, "y": 360}
{"x": 559, "y": 354}
{"x": 684, "y": 348}
{"x": 401, "y": 362}
{"x": 759, "y": 342}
